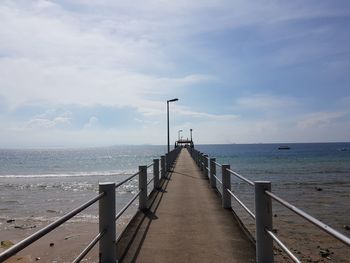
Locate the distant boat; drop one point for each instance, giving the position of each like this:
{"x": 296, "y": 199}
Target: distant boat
{"x": 284, "y": 147}
{"x": 343, "y": 149}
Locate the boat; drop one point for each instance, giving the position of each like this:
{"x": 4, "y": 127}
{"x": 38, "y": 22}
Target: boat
{"x": 284, "y": 147}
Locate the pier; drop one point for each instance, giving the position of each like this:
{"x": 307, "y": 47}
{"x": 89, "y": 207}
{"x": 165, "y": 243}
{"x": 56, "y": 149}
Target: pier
{"x": 185, "y": 223}
{"x": 186, "y": 217}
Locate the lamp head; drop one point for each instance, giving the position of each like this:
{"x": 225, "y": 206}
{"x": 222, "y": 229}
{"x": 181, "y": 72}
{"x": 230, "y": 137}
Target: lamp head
{"x": 176, "y": 99}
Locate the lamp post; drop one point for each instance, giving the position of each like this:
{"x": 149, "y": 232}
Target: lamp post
{"x": 178, "y": 134}
{"x": 167, "y": 110}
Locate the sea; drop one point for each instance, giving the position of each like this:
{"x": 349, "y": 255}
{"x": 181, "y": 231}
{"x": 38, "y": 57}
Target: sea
{"x": 44, "y": 184}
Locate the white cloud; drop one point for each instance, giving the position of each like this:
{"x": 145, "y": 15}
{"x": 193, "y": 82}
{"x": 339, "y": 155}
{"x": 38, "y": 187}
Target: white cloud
{"x": 138, "y": 54}
{"x": 40, "y": 123}
{"x": 320, "y": 119}
{"x": 92, "y": 123}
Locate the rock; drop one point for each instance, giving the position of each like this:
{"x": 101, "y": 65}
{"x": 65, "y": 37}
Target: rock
{"x": 347, "y": 227}
{"x": 318, "y": 188}
{"x": 23, "y": 227}
{"x": 10, "y": 221}
{"x": 6, "y": 244}
{"x": 275, "y": 215}
{"x": 69, "y": 237}
{"x": 37, "y": 259}
{"x": 52, "y": 244}
{"x": 324, "y": 253}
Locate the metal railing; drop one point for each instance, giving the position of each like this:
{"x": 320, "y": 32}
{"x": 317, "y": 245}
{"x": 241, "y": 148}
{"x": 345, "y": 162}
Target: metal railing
{"x": 107, "y": 214}
{"x": 263, "y": 207}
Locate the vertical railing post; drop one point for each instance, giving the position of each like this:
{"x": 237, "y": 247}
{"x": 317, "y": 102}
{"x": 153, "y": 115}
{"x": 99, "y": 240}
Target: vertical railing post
{"x": 167, "y": 162}
{"x": 206, "y": 165}
{"x": 162, "y": 166}
{"x": 155, "y": 173}
{"x": 107, "y": 253}
{"x": 263, "y": 220}
{"x": 143, "y": 187}
{"x": 226, "y": 184}
{"x": 201, "y": 161}
{"x": 212, "y": 172}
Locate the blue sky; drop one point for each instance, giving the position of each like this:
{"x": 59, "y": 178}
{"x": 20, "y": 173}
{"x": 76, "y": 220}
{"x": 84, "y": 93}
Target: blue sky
{"x": 94, "y": 73}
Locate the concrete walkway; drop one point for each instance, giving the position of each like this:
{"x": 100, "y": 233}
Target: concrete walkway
{"x": 185, "y": 223}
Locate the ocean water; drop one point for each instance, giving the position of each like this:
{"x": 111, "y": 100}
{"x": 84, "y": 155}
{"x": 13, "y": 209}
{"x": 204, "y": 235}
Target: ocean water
{"x": 43, "y": 184}
{"x": 313, "y": 177}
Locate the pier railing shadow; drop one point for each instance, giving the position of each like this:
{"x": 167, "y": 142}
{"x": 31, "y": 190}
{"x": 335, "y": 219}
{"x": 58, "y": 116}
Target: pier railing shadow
{"x": 130, "y": 242}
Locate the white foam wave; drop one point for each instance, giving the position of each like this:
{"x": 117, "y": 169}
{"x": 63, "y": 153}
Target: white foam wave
{"x": 78, "y": 174}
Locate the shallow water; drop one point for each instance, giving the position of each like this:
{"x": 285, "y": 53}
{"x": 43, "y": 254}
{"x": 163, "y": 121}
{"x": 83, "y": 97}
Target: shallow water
{"x": 313, "y": 177}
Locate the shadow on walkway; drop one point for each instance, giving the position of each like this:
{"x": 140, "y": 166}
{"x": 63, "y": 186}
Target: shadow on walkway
{"x": 131, "y": 241}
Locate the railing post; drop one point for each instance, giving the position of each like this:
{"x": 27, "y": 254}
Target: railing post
{"x": 107, "y": 253}
{"x": 201, "y": 161}
{"x": 143, "y": 187}
{"x": 226, "y": 184}
{"x": 162, "y": 165}
{"x": 206, "y": 165}
{"x": 212, "y": 172}
{"x": 167, "y": 162}
{"x": 155, "y": 173}
{"x": 263, "y": 220}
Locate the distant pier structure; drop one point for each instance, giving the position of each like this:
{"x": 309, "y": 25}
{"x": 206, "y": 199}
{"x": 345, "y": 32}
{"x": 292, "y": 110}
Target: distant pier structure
{"x": 185, "y": 142}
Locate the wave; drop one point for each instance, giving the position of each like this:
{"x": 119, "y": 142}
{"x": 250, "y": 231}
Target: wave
{"x": 76, "y": 174}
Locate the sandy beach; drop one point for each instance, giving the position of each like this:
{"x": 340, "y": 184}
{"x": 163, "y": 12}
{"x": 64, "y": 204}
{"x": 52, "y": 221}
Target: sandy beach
{"x": 61, "y": 245}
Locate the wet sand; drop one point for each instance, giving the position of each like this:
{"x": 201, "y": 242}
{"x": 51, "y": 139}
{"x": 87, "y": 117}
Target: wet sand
{"x": 67, "y": 241}
{"x": 306, "y": 241}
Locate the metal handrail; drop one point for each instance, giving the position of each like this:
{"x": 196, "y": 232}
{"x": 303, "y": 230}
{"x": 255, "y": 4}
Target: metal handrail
{"x": 127, "y": 179}
{"x": 89, "y": 247}
{"x": 283, "y": 247}
{"x": 316, "y": 222}
{"x": 150, "y": 165}
{"x": 37, "y": 235}
{"x": 218, "y": 164}
{"x": 241, "y": 177}
{"x": 241, "y": 203}
{"x": 311, "y": 219}
{"x": 127, "y": 205}
{"x": 217, "y": 179}
{"x": 150, "y": 181}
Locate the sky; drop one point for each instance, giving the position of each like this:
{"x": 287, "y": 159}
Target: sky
{"x": 76, "y": 73}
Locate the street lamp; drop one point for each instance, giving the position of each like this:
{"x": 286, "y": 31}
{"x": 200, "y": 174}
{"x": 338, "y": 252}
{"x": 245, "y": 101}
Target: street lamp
{"x": 178, "y": 134}
{"x": 167, "y": 110}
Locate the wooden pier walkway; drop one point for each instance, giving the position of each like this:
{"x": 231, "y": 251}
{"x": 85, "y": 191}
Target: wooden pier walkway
{"x": 185, "y": 223}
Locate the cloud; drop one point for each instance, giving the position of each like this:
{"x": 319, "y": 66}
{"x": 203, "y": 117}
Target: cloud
{"x": 321, "y": 119}
{"x": 92, "y": 123}
{"x": 40, "y": 123}
{"x": 72, "y": 70}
